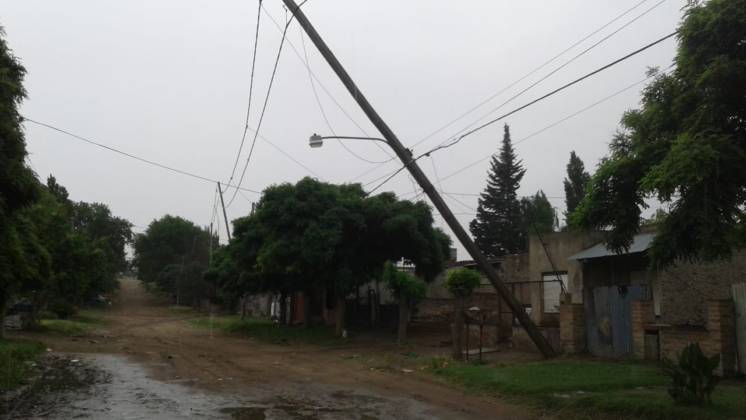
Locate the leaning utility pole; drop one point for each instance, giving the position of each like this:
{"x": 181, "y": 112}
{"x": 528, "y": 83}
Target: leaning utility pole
{"x": 406, "y": 157}
{"x": 225, "y": 216}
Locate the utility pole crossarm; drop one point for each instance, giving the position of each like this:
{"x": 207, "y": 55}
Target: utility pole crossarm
{"x": 406, "y": 157}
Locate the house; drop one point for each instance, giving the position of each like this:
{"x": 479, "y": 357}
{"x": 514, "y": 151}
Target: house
{"x": 617, "y": 305}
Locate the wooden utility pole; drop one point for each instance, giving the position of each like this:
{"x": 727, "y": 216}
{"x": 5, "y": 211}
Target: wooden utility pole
{"x": 406, "y": 157}
{"x": 225, "y": 216}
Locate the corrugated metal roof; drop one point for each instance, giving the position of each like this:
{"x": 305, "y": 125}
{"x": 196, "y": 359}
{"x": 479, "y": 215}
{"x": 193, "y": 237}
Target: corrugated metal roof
{"x": 641, "y": 242}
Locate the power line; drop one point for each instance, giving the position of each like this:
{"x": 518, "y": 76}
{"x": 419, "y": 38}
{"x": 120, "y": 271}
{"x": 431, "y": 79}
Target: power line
{"x": 251, "y": 89}
{"x": 559, "y": 89}
{"x": 323, "y": 87}
{"x": 541, "y": 66}
{"x": 552, "y": 125}
{"x": 288, "y": 155}
{"x": 321, "y": 107}
{"x": 563, "y": 65}
{"x": 264, "y": 107}
{"x": 129, "y": 155}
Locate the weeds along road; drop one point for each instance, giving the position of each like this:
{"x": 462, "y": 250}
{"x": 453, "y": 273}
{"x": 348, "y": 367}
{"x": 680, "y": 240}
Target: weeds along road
{"x": 156, "y": 362}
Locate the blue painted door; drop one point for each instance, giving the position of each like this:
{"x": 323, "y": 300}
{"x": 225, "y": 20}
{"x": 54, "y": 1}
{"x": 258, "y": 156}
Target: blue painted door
{"x": 609, "y": 319}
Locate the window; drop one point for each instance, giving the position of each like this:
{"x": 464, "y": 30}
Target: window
{"x": 552, "y": 291}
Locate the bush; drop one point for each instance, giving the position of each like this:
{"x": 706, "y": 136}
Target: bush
{"x": 693, "y": 377}
{"x": 461, "y": 282}
{"x": 62, "y": 309}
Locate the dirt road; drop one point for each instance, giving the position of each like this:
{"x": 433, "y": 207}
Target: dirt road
{"x": 159, "y": 366}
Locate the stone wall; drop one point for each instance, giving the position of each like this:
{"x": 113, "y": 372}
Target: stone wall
{"x": 686, "y": 288}
{"x": 572, "y": 328}
{"x": 717, "y": 337}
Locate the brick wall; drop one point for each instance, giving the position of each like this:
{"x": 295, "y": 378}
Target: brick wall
{"x": 717, "y": 337}
{"x": 686, "y": 288}
{"x": 572, "y": 328}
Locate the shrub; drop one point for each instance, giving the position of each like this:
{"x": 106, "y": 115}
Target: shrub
{"x": 693, "y": 376}
{"x": 461, "y": 282}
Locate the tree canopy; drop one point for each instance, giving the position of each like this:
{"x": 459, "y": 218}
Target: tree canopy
{"x": 498, "y": 228}
{"x": 538, "y": 214}
{"x": 172, "y": 254}
{"x": 685, "y": 146}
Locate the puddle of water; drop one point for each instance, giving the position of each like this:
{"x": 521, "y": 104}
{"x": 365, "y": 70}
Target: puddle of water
{"x": 127, "y": 392}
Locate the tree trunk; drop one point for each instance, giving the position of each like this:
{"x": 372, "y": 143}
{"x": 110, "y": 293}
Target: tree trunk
{"x": 283, "y": 308}
{"x": 457, "y": 330}
{"x": 403, "y": 320}
{"x": 307, "y": 298}
{"x": 339, "y": 315}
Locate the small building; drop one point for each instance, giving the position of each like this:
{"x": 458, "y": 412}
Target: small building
{"x": 618, "y": 305}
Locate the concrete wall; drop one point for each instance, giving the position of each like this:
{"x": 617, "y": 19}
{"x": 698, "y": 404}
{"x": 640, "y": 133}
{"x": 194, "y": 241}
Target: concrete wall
{"x": 686, "y": 288}
{"x": 560, "y": 246}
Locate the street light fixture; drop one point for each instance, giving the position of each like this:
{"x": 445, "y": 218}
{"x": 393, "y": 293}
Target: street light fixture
{"x": 317, "y": 141}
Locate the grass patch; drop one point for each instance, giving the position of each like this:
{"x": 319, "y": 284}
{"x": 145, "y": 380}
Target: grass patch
{"x": 82, "y": 323}
{"x": 14, "y": 358}
{"x": 621, "y": 388}
{"x": 180, "y": 309}
{"x": 268, "y": 331}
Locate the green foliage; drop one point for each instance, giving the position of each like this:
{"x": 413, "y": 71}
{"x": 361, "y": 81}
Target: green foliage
{"x": 575, "y": 184}
{"x": 499, "y": 226}
{"x": 461, "y": 282}
{"x": 693, "y": 378}
{"x": 14, "y": 358}
{"x": 18, "y": 184}
{"x": 587, "y": 389}
{"x": 404, "y": 285}
{"x": 685, "y": 146}
{"x": 173, "y": 254}
{"x": 318, "y": 236}
{"x": 538, "y": 215}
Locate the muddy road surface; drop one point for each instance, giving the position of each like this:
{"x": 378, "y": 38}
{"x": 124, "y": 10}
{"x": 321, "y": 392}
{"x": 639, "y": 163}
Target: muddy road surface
{"x": 148, "y": 362}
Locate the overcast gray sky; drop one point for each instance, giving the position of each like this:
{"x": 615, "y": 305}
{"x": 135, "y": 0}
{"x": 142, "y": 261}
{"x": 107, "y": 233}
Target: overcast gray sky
{"x": 168, "y": 80}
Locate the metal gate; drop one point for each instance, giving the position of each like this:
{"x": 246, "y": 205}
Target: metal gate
{"x": 739, "y": 302}
{"x": 609, "y": 320}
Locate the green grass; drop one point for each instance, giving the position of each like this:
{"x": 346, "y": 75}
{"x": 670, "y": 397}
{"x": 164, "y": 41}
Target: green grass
{"x": 619, "y": 388}
{"x": 15, "y": 357}
{"x": 266, "y": 330}
{"x": 82, "y": 323}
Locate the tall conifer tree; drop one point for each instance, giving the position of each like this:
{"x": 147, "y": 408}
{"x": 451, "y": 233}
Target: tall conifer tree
{"x": 498, "y": 227}
{"x": 575, "y": 183}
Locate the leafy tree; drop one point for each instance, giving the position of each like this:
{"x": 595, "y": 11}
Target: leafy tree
{"x": 498, "y": 227}
{"x": 18, "y": 184}
{"x": 461, "y": 282}
{"x": 318, "y": 238}
{"x": 575, "y": 184}
{"x": 538, "y": 214}
{"x": 171, "y": 247}
{"x": 685, "y": 146}
{"x": 110, "y": 232}
{"x": 408, "y": 290}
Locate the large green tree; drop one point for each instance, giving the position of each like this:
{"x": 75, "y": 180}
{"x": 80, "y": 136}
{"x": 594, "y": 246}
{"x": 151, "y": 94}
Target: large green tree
{"x": 685, "y": 146}
{"x": 168, "y": 254}
{"x": 18, "y": 184}
{"x": 498, "y": 227}
{"x": 314, "y": 237}
{"x": 575, "y": 184}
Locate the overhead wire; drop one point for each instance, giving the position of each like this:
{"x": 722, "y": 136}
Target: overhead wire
{"x": 251, "y": 90}
{"x": 264, "y": 106}
{"x": 555, "y": 91}
{"x": 563, "y": 65}
{"x": 554, "y": 124}
{"x": 129, "y": 155}
{"x": 321, "y": 107}
{"x": 536, "y": 69}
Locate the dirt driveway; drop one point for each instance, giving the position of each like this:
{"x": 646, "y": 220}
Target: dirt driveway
{"x": 158, "y": 366}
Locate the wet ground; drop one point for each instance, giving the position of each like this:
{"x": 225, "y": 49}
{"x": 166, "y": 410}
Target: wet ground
{"x": 112, "y": 387}
{"x": 148, "y": 362}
